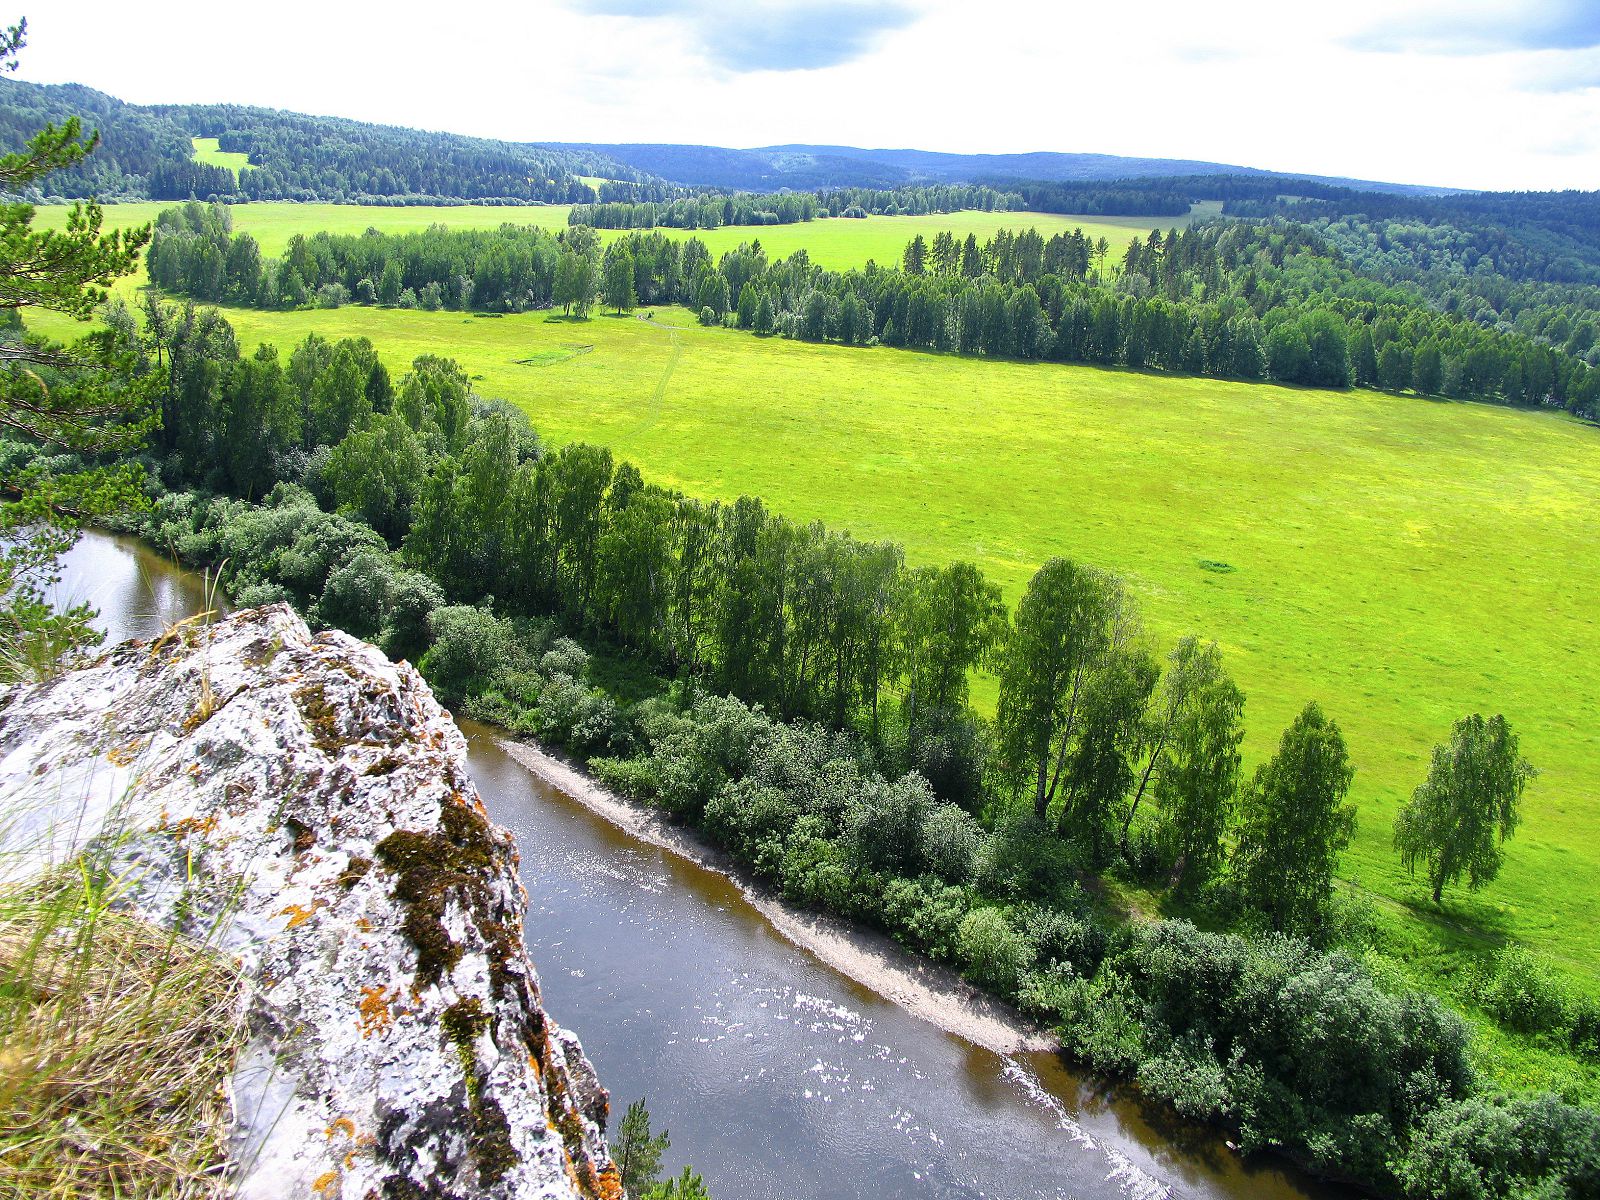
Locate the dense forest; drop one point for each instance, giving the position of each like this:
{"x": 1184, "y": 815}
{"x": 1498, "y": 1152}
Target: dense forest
{"x": 1232, "y": 299}
{"x": 804, "y": 167}
{"x": 711, "y": 210}
{"x": 802, "y": 697}
{"x": 146, "y": 152}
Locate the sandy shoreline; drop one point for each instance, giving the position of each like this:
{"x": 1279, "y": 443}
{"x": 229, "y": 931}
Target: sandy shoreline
{"x": 925, "y": 989}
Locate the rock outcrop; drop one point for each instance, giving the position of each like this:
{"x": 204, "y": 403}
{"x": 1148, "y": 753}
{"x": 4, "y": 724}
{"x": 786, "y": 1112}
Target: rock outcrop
{"x": 310, "y": 800}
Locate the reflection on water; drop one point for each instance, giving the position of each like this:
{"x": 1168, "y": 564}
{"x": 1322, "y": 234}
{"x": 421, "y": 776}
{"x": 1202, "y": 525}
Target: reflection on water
{"x": 138, "y": 592}
{"x": 776, "y": 1076}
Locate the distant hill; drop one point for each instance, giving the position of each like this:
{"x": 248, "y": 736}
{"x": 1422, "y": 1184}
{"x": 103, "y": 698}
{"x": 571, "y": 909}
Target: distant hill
{"x": 769, "y": 168}
{"x": 147, "y": 152}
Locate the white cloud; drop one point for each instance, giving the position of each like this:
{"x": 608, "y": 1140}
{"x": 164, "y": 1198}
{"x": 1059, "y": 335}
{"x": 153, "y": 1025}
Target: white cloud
{"x": 1245, "y": 81}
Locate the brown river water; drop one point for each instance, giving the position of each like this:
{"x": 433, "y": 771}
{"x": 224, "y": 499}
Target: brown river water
{"x": 775, "y": 1075}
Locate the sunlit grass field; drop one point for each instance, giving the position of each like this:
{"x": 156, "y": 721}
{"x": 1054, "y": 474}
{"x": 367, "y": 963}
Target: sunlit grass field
{"x": 1402, "y": 561}
{"x": 206, "y": 150}
{"x": 835, "y": 243}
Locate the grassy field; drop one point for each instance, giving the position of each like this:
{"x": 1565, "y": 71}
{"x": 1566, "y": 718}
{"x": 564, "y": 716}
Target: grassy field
{"x": 835, "y": 244}
{"x": 1403, "y": 561}
{"x": 207, "y": 151}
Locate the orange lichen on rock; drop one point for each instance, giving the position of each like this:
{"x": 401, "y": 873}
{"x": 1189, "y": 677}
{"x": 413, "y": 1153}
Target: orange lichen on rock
{"x": 375, "y": 1014}
{"x": 298, "y": 914}
{"x": 611, "y": 1183}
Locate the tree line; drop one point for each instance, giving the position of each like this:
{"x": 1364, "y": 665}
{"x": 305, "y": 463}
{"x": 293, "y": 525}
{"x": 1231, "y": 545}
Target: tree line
{"x": 712, "y": 210}
{"x": 1234, "y": 300}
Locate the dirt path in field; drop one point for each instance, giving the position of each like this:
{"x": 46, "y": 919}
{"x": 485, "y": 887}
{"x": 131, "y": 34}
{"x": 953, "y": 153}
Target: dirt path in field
{"x": 659, "y": 397}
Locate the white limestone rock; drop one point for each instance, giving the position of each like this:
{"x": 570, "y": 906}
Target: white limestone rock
{"x": 314, "y": 797}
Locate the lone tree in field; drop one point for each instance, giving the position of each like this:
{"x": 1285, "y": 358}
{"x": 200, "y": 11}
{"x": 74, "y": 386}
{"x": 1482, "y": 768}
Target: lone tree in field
{"x": 1296, "y": 823}
{"x": 1458, "y": 821}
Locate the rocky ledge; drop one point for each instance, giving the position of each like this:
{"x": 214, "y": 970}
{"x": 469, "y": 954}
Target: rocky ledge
{"x": 305, "y": 804}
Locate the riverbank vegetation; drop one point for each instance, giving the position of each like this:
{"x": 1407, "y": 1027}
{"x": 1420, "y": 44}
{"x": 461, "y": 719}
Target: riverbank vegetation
{"x": 801, "y": 696}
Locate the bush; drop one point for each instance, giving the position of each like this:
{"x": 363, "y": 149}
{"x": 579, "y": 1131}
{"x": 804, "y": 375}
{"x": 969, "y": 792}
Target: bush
{"x": 1524, "y": 994}
{"x": 883, "y": 827}
{"x": 1023, "y": 860}
{"x": 471, "y": 649}
{"x": 692, "y": 759}
{"x": 753, "y": 821}
{"x": 950, "y": 843}
{"x": 994, "y": 954}
{"x": 1489, "y": 1147}
{"x": 565, "y": 657}
{"x": 925, "y": 914}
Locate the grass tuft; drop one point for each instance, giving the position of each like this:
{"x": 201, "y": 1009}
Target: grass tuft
{"x": 116, "y": 1039}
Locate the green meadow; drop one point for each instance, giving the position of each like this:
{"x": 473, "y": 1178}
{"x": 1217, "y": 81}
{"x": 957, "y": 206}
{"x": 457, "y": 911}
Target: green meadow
{"x": 1402, "y": 561}
{"x": 835, "y": 243}
{"x": 207, "y": 150}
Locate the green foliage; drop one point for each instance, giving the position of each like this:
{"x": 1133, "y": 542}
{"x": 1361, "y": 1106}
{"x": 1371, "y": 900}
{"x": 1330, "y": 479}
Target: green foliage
{"x": 1295, "y": 823}
{"x": 1192, "y": 736}
{"x": 688, "y": 1186}
{"x": 80, "y": 400}
{"x": 470, "y": 650}
{"x": 637, "y": 1152}
{"x": 1481, "y": 1148}
{"x": 1457, "y": 822}
{"x": 992, "y": 953}
{"x": 1061, "y": 631}
{"x": 1524, "y": 993}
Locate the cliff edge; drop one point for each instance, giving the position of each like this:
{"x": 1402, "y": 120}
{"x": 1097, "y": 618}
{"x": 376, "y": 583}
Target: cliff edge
{"x": 305, "y": 805}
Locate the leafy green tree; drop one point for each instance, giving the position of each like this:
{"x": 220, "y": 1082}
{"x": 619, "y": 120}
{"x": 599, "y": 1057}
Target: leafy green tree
{"x": 1098, "y": 771}
{"x": 1394, "y": 367}
{"x": 1295, "y": 824}
{"x": 916, "y": 256}
{"x": 262, "y": 422}
{"x": 378, "y": 472}
{"x": 688, "y": 1186}
{"x": 636, "y": 1151}
{"x": 575, "y": 284}
{"x": 1458, "y": 821}
{"x": 1060, "y": 631}
{"x": 1192, "y": 733}
{"x": 618, "y": 290}
{"x": 947, "y": 620}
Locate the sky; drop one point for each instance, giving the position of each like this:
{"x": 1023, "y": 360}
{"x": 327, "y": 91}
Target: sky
{"x": 1500, "y": 94}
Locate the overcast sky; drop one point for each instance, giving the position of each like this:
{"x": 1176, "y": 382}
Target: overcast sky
{"x": 1470, "y": 93}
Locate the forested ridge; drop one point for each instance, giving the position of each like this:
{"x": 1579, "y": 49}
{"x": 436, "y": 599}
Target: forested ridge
{"x": 146, "y": 152}
{"x": 1236, "y": 299}
{"x": 621, "y": 207}
{"x": 802, "y": 697}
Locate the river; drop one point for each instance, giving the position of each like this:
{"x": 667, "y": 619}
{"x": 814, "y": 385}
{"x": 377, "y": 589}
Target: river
{"x": 775, "y": 1075}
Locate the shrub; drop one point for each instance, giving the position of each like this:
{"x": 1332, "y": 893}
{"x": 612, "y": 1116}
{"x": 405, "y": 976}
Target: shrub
{"x": 1523, "y": 993}
{"x": 1488, "y": 1147}
{"x": 471, "y": 649}
{"x": 925, "y": 914}
{"x": 994, "y": 954}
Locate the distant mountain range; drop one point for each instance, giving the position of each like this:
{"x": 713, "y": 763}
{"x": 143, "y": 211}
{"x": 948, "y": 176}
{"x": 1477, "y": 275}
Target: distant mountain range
{"x": 802, "y": 167}
{"x": 147, "y": 152}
